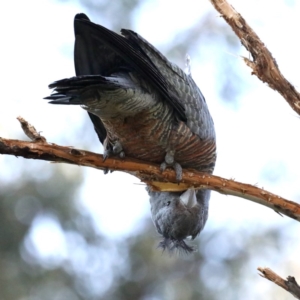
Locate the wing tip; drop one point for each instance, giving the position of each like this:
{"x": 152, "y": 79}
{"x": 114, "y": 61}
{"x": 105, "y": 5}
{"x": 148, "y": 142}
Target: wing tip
{"x": 81, "y": 16}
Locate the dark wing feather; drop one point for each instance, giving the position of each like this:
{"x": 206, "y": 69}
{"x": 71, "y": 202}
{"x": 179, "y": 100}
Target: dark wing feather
{"x": 99, "y": 127}
{"x": 181, "y": 85}
{"x": 129, "y": 50}
{"x": 87, "y": 62}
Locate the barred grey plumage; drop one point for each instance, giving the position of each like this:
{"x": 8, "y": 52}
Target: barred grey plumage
{"x": 144, "y": 107}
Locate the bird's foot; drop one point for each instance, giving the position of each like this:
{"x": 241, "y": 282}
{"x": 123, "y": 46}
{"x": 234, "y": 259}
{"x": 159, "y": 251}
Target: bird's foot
{"x": 170, "y": 162}
{"x": 114, "y": 149}
{"x": 118, "y": 149}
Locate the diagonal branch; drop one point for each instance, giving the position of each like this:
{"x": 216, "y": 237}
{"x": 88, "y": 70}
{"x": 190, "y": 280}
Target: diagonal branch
{"x": 149, "y": 173}
{"x": 289, "y": 285}
{"x": 263, "y": 65}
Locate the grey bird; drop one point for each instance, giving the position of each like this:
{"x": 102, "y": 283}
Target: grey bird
{"x": 145, "y": 107}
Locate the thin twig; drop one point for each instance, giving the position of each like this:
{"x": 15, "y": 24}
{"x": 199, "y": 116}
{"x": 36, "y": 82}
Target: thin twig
{"x": 289, "y": 285}
{"x": 30, "y": 130}
{"x": 263, "y": 64}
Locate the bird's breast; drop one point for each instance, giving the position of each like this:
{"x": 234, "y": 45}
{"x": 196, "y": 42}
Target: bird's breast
{"x": 149, "y": 134}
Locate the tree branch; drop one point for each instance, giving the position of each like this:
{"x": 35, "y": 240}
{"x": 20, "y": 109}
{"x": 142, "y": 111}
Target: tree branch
{"x": 289, "y": 285}
{"x": 149, "y": 173}
{"x": 263, "y": 65}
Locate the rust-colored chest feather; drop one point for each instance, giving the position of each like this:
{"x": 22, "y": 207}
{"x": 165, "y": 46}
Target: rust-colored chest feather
{"x": 150, "y": 134}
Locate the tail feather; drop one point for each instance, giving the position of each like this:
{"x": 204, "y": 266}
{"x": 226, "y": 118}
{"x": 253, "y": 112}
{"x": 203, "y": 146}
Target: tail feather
{"x": 69, "y": 91}
{"x": 79, "y": 81}
{"x": 63, "y": 99}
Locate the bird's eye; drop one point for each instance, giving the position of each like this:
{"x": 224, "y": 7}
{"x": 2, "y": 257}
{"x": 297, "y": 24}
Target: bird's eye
{"x": 168, "y": 203}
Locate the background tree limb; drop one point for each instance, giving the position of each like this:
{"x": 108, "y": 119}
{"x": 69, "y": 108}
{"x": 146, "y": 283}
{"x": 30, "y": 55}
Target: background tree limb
{"x": 289, "y": 285}
{"x": 263, "y": 65}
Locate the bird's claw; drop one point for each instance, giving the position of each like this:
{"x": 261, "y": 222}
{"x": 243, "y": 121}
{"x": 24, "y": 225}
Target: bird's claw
{"x": 116, "y": 149}
{"x": 178, "y": 171}
{"x": 169, "y": 162}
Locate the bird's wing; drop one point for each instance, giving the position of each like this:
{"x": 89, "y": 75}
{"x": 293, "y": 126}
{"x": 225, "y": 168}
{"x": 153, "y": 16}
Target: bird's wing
{"x": 88, "y": 62}
{"x": 180, "y": 86}
{"x": 105, "y": 49}
{"x": 100, "y": 51}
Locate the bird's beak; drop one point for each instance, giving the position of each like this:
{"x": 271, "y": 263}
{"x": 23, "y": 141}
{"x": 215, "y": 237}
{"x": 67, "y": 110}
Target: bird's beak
{"x": 188, "y": 198}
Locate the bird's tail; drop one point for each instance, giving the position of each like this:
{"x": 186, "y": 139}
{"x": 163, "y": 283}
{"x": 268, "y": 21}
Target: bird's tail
{"x": 75, "y": 90}
{"x": 172, "y": 245}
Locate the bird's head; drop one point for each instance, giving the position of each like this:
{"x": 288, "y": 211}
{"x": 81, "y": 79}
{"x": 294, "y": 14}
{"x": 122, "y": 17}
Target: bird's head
{"x": 177, "y": 216}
